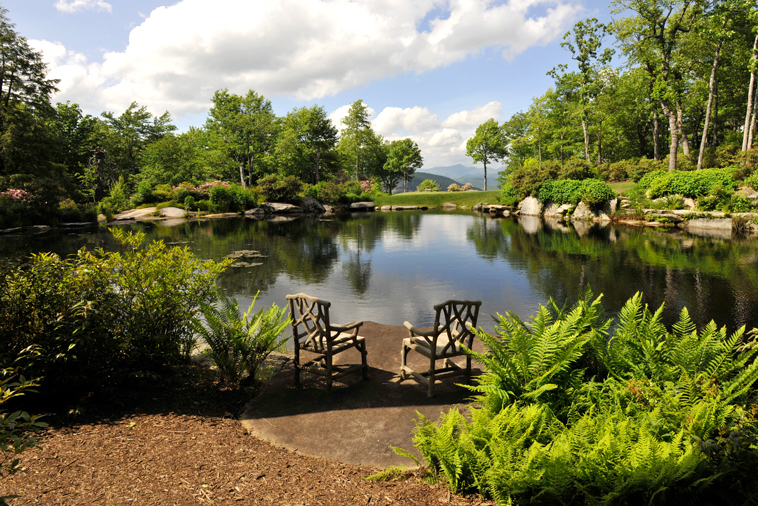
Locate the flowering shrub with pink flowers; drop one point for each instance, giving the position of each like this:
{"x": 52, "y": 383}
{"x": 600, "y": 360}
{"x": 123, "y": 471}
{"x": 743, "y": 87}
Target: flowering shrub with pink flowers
{"x": 15, "y": 194}
{"x": 466, "y": 187}
{"x": 454, "y": 188}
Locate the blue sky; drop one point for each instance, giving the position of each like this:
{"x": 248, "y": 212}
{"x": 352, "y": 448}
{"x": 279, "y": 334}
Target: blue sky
{"x": 431, "y": 70}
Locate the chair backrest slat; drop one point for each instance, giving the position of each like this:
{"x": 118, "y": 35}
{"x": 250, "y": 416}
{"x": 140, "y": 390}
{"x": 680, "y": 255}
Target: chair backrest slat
{"x": 313, "y": 315}
{"x": 453, "y": 319}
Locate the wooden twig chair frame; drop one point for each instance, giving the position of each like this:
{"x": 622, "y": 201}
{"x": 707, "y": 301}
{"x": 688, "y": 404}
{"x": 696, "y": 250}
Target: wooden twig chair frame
{"x": 454, "y": 324}
{"x": 313, "y": 332}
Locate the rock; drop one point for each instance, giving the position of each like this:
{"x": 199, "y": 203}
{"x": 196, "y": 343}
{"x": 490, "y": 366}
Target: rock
{"x": 713, "y": 224}
{"x": 530, "y": 206}
{"x": 556, "y": 211}
{"x": 328, "y": 209}
{"x": 449, "y": 205}
{"x": 133, "y": 214}
{"x": 362, "y": 206}
{"x": 582, "y": 212}
{"x": 672, "y": 217}
{"x": 312, "y": 206}
{"x": 747, "y": 192}
{"x": 386, "y": 208}
{"x": 610, "y": 206}
{"x": 221, "y": 215}
{"x": 40, "y": 229}
{"x": 10, "y": 230}
{"x": 689, "y": 203}
{"x": 78, "y": 224}
{"x": 477, "y": 207}
{"x": 255, "y": 213}
{"x": 173, "y": 212}
{"x": 279, "y": 208}
{"x": 405, "y": 208}
{"x": 499, "y": 210}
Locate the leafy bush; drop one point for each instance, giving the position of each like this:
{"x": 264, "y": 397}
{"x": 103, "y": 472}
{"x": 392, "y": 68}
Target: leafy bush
{"x": 238, "y": 343}
{"x": 428, "y": 184}
{"x": 592, "y": 192}
{"x": 281, "y": 189}
{"x": 100, "y": 316}
{"x": 453, "y": 188}
{"x": 527, "y": 181}
{"x": 643, "y": 167}
{"x": 220, "y": 199}
{"x": 144, "y": 194}
{"x": 467, "y": 187}
{"x": 576, "y": 168}
{"x": 508, "y": 196}
{"x": 69, "y": 211}
{"x": 691, "y": 184}
{"x": 571, "y": 415}
{"x": 325, "y": 192}
{"x": 118, "y": 200}
{"x": 618, "y": 171}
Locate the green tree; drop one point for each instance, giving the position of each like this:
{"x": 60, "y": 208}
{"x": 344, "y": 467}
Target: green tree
{"x": 74, "y": 132}
{"x": 187, "y": 157}
{"x": 403, "y": 159}
{"x": 131, "y": 132}
{"x": 356, "y": 134}
{"x": 245, "y": 129}
{"x": 489, "y": 144}
{"x": 306, "y": 136}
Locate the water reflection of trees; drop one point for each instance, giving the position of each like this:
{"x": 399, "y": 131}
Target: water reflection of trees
{"x": 714, "y": 279}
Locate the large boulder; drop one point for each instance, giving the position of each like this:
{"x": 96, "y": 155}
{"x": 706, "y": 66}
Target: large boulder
{"x": 530, "y": 206}
{"x": 279, "y": 208}
{"x": 173, "y": 212}
{"x": 255, "y": 213}
{"x": 362, "y": 206}
{"x": 582, "y": 213}
{"x": 312, "y": 206}
{"x": 556, "y": 211}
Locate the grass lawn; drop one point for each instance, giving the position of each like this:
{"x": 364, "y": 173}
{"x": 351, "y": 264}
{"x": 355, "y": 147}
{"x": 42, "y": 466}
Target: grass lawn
{"x": 436, "y": 199}
{"x": 622, "y": 186}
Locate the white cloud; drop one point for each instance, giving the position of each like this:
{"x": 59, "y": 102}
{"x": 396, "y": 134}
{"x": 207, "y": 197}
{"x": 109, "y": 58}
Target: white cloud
{"x": 182, "y": 53}
{"x": 81, "y": 5}
{"x": 441, "y": 142}
{"x": 474, "y": 117}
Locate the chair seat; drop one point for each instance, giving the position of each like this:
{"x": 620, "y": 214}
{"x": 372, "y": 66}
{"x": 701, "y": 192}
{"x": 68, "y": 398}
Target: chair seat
{"x": 442, "y": 342}
{"x": 342, "y": 342}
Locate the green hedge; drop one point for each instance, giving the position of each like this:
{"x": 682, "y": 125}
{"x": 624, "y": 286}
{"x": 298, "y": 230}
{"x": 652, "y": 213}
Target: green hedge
{"x": 692, "y": 184}
{"x": 592, "y": 192}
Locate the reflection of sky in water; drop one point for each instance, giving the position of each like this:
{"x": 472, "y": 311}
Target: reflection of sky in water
{"x": 393, "y": 267}
{"x": 407, "y": 277}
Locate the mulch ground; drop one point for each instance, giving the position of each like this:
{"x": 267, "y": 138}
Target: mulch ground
{"x": 177, "y": 442}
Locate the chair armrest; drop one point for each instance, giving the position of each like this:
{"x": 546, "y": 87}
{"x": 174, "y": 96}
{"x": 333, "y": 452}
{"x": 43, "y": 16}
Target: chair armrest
{"x": 418, "y": 332}
{"x": 346, "y": 327}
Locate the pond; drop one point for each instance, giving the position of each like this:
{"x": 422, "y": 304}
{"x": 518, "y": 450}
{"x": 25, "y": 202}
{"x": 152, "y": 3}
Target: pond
{"x": 392, "y": 267}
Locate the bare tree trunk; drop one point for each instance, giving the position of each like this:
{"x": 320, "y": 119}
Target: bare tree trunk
{"x": 485, "y": 175}
{"x": 674, "y": 146}
{"x": 600, "y": 142}
{"x": 586, "y": 131}
{"x": 711, "y": 93}
{"x": 749, "y": 111}
{"x": 680, "y": 123}
{"x": 715, "y": 136}
{"x": 242, "y": 176}
{"x": 752, "y": 125}
{"x": 656, "y": 138}
{"x": 318, "y": 162}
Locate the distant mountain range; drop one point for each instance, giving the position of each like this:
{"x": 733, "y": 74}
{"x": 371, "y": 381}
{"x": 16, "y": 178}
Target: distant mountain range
{"x": 463, "y": 174}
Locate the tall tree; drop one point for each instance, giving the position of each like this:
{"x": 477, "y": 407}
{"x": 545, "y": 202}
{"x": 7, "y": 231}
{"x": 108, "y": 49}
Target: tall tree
{"x": 307, "y": 134}
{"x": 131, "y": 132}
{"x": 356, "y": 133}
{"x": 488, "y": 145}
{"x": 584, "y": 43}
{"x": 403, "y": 159}
{"x": 245, "y": 129}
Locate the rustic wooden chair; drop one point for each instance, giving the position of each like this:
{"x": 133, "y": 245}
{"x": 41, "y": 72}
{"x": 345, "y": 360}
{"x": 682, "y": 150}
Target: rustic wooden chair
{"x": 313, "y": 332}
{"x": 454, "y": 325}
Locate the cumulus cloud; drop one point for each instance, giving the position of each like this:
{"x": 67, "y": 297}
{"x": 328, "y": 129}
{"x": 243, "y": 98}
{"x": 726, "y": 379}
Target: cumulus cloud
{"x": 442, "y": 142}
{"x": 81, "y": 5}
{"x": 182, "y": 53}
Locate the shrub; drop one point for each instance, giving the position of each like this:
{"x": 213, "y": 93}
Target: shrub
{"x": 453, "y": 188}
{"x": 69, "y": 211}
{"x": 203, "y": 206}
{"x": 467, "y": 187}
{"x": 325, "y": 192}
{"x": 527, "y": 181}
{"x": 145, "y": 193}
{"x": 281, "y": 188}
{"x": 118, "y": 200}
{"x": 220, "y": 198}
{"x": 576, "y": 168}
{"x": 691, "y": 184}
{"x": 592, "y": 192}
{"x": 100, "y": 316}
{"x": 618, "y": 171}
{"x": 240, "y": 343}
{"x": 163, "y": 193}
{"x": 571, "y": 415}
{"x": 508, "y": 196}
{"x": 428, "y": 184}
{"x": 189, "y": 203}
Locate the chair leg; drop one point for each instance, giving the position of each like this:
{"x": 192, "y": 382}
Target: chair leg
{"x": 328, "y": 373}
{"x": 364, "y": 360}
{"x": 296, "y": 362}
{"x": 468, "y": 369}
{"x": 403, "y": 361}
{"x": 431, "y": 378}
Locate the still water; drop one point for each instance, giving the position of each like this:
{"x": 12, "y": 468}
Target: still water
{"x": 393, "y": 267}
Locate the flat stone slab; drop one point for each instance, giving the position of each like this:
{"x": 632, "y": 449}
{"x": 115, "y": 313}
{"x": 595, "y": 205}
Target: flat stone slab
{"x": 173, "y": 212}
{"x": 77, "y": 224}
{"x": 133, "y": 214}
{"x": 358, "y": 421}
{"x": 279, "y": 208}
{"x": 715, "y": 224}
{"x": 449, "y": 205}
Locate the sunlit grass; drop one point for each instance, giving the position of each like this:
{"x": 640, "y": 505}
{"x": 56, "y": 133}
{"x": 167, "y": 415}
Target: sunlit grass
{"x": 436, "y": 199}
{"x": 622, "y": 186}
